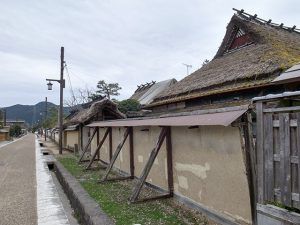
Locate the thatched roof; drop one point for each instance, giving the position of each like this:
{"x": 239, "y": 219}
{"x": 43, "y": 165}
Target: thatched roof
{"x": 96, "y": 111}
{"x": 271, "y": 51}
{"x": 141, "y": 90}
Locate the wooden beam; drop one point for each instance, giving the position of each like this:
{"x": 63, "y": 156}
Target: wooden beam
{"x": 98, "y": 148}
{"x": 148, "y": 165}
{"x": 88, "y": 144}
{"x": 169, "y": 161}
{"x": 131, "y": 152}
{"x": 116, "y": 153}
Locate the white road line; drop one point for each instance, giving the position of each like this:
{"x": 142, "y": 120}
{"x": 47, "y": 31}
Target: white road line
{"x": 50, "y": 210}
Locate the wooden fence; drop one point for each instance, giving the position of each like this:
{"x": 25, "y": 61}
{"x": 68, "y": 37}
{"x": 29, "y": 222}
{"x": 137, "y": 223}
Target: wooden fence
{"x": 278, "y": 153}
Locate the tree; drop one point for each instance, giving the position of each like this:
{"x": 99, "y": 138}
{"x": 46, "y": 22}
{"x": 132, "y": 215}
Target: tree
{"x": 15, "y": 130}
{"x": 111, "y": 89}
{"x": 81, "y": 96}
{"x": 129, "y": 105}
{"x": 52, "y": 118}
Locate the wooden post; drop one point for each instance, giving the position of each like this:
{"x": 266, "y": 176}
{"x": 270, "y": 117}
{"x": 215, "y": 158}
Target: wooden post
{"x": 88, "y": 144}
{"x": 116, "y": 153}
{"x": 98, "y": 148}
{"x": 169, "y": 161}
{"x": 110, "y": 144}
{"x": 131, "y": 152}
{"x": 148, "y": 166}
{"x": 250, "y": 164}
{"x": 98, "y": 137}
{"x": 260, "y": 152}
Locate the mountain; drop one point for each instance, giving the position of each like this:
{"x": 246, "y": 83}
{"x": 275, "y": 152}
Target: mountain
{"x": 30, "y": 113}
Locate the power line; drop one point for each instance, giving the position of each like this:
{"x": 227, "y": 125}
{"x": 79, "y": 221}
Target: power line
{"x": 72, "y": 92}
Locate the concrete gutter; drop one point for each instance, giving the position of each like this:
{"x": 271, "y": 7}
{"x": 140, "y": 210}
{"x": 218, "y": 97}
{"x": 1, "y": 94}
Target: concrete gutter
{"x": 50, "y": 210}
{"x": 86, "y": 208}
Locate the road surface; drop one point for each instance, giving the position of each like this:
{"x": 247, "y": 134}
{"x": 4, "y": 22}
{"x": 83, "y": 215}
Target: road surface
{"x": 18, "y": 182}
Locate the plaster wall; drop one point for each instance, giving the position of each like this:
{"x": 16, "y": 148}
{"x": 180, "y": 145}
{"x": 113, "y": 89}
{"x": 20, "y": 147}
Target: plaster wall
{"x": 71, "y": 138}
{"x": 208, "y": 165}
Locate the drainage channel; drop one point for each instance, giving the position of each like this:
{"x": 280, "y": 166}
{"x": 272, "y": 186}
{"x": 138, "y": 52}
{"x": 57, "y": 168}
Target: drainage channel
{"x": 53, "y": 206}
{"x": 63, "y": 197}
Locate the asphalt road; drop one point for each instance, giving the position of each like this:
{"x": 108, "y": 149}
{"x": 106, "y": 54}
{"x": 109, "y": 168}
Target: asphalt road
{"x": 18, "y": 182}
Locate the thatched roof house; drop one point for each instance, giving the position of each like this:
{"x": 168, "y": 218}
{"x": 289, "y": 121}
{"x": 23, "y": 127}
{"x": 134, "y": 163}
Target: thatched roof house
{"x": 253, "y": 53}
{"x": 145, "y": 94}
{"x": 103, "y": 109}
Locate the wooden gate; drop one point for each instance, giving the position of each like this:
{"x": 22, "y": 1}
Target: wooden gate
{"x": 278, "y": 169}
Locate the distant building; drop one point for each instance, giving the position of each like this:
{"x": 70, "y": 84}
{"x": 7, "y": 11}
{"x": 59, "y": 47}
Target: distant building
{"x": 21, "y": 123}
{"x": 4, "y": 134}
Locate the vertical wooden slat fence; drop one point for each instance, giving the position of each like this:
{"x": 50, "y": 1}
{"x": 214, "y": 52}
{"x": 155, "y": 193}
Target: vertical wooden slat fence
{"x": 278, "y": 154}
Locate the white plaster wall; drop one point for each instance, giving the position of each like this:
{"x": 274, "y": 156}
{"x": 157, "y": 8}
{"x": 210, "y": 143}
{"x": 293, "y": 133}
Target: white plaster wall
{"x": 208, "y": 165}
{"x": 71, "y": 138}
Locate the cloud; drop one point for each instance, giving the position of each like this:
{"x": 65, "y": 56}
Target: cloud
{"x": 129, "y": 42}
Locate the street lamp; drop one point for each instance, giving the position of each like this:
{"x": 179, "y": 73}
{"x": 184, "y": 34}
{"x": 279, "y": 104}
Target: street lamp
{"x": 61, "y": 82}
{"x": 49, "y": 84}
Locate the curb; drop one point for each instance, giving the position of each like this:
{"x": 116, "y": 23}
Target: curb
{"x": 86, "y": 208}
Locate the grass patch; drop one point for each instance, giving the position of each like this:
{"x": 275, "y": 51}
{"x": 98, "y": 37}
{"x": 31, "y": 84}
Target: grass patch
{"x": 112, "y": 198}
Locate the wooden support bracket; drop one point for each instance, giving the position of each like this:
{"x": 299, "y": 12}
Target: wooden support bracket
{"x": 98, "y": 148}
{"x": 164, "y": 134}
{"x": 116, "y": 153}
{"x": 87, "y": 145}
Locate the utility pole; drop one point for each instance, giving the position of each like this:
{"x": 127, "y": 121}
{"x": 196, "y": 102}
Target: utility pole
{"x": 61, "y": 82}
{"x": 61, "y": 99}
{"x": 187, "y": 68}
{"x": 45, "y": 118}
{"x": 4, "y": 117}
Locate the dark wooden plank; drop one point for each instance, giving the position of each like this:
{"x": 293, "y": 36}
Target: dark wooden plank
{"x": 87, "y": 145}
{"x": 131, "y": 152}
{"x": 98, "y": 148}
{"x": 169, "y": 161}
{"x": 268, "y": 157}
{"x": 260, "y": 152}
{"x": 285, "y": 162}
{"x": 148, "y": 166}
{"x": 116, "y": 153}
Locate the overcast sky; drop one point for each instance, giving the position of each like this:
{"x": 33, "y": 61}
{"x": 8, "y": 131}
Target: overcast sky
{"x": 125, "y": 41}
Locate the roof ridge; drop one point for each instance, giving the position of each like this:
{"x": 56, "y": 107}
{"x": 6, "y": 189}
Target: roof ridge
{"x": 269, "y": 22}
